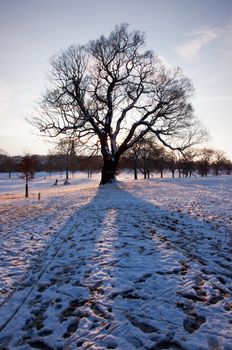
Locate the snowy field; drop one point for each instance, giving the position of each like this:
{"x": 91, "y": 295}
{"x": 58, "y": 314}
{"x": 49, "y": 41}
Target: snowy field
{"x": 141, "y": 264}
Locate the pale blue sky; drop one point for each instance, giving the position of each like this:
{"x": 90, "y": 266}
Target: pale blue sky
{"x": 195, "y": 35}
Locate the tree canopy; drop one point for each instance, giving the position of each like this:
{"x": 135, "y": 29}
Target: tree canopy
{"x": 115, "y": 92}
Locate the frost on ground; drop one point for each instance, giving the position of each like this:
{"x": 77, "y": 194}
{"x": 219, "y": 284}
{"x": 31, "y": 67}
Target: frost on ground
{"x": 134, "y": 265}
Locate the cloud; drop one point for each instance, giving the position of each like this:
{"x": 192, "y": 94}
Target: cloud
{"x": 227, "y": 41}
{"x": 200, "y": 38}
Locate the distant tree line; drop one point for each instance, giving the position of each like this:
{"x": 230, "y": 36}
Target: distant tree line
{"x": 52, "y": 163}
{"x": 145, "y": 158}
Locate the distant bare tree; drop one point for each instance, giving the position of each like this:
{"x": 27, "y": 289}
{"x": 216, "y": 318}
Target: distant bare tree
{"x": 227, "y": 166}
{"x": 219, "y": 159}
{"x": 6, "y": 162}
{"x": 187, "y": 162}
{"x": 50, "y": 163}
{"x": 172, "y": 162}
{"x": 205, "y": 157}
{"x": 133, "y": 154}
{"x": 115, "y": 92}
{"x": 147, "y": 152}
{"x": 146, "y": 155}
{"x": 66, "y": 146}
{"x": 141, "y": 154}
{"x": 27, "y": 168}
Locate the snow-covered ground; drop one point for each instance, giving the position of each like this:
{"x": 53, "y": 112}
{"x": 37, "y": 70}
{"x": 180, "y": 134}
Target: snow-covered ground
{"x": 133, "y": 265}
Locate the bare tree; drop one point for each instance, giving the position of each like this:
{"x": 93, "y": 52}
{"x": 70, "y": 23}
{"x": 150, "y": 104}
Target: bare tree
{"x": 172, "y": 162}
{"x": 141, "y": 155}
{"x": 6, "y": 162}
{"x": 27, "y": 168}
{"x": 227, "y": 166}
{"x": 204, "y": 162}
{"x": 50, "y": 163}
{"x": 218, "y": 161}
{"x": 133, "y": 155}
{"x": 187, "y": 161}
{"x": 66, "y": 146}
{"x": 115, "y": 92}
{"x": 146, "y": 155}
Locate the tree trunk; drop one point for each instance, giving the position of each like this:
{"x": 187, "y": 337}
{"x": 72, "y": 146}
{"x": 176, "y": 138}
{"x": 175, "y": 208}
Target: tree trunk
{"x": 161, "y": 173}
{"x": 26, "y": 189}
{"x": 135, "y": 174}
{"x": 67, "y": 166}
{"x": 108, "y": 170}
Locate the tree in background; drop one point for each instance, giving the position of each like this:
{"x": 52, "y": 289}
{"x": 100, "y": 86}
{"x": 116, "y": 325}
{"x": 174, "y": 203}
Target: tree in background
{"x": 227, "y": 166}
{"x": 219, "y": 159}
{"x": 186, "y": 162}
{"x": 27, "y": 168}
{"x": 172, "y": 162}
{"x": 66, "y": 146}
{"x": 147, "y": 151}
{"x": 160, "y": 159}
{"x": 205, "y": 157}
{"x": 51, "y": 163}
{"x": 113, "y": 91}
{"x": 6, "y": 163}
{"x": 139, "y": 155}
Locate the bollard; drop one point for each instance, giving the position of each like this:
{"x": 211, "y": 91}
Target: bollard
{"x": 38, "y": 196}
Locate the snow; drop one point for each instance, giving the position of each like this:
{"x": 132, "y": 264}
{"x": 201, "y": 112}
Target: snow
{"x": 133, "y": 265}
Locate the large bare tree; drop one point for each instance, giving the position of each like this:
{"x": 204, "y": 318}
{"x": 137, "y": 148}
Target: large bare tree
{"x": 116, "y": 92}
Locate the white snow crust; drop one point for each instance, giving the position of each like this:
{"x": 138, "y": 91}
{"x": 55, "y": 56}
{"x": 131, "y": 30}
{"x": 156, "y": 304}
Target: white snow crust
{"x": 141, "y": 264}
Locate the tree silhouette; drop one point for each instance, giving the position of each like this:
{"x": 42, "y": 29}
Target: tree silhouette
{"x": 27, "y": 168}
{"x": 113, "y": 91}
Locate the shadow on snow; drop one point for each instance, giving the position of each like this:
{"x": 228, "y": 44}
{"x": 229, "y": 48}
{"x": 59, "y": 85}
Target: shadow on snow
{"x": 126, "y": 274}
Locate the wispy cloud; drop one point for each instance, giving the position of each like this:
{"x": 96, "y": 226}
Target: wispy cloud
{"x": 198, "y": 39}
{"x": 227, "y": 44}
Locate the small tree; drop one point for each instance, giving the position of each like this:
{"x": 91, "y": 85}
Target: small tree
{"x": 27, "y": 168}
